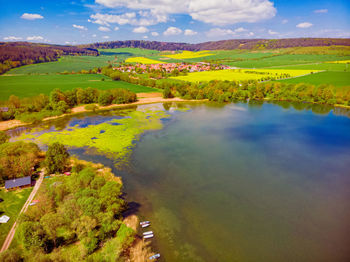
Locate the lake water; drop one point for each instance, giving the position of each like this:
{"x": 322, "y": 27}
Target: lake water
{"x": 243, "y": 182}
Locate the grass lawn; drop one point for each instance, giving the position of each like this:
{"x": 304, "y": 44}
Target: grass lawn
{"x": 31, "y": 85}
{"x": 12, "y": 204}
{"x": 338, "y": 79}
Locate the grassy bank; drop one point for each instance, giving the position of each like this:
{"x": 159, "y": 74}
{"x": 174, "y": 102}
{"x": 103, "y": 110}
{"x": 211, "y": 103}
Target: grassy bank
{"x": 11, "y": 206}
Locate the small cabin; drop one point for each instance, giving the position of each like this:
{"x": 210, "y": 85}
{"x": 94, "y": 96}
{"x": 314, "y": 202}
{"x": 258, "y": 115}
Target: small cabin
{"x": 18, "y": 183}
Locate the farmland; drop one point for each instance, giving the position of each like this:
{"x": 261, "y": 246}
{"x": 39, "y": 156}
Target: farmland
{"x": 338, "y": 79}
{"x": 241, "y": 75}
{"x": 142, "y": 60}
{"x": 189, "y": 54}
{"x": 31, "y": 85}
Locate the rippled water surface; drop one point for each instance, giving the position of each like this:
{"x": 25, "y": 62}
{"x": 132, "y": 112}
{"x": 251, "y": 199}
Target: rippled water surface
{"x": 243, "y": 182}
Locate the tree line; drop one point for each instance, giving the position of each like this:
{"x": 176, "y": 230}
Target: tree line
{"x": 36, "y": 108}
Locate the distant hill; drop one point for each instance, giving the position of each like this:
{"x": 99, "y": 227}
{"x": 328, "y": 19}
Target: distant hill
{"x": 14, "y": 54}
{"x": 248, "y": 44}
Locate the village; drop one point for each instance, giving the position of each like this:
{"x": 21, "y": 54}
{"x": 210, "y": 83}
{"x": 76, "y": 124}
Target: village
{"x": 170, "y": 67}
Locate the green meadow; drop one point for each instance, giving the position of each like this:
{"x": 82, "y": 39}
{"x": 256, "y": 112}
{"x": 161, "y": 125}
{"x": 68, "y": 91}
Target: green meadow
{"x": 11, "y": 206}
{"x": 31, "y": 85}
{"x": 338, "y": 79}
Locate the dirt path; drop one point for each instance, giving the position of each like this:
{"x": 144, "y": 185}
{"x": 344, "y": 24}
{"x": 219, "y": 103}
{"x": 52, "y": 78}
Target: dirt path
{"x": 12, "y": 232}
{"x": 143, "y": 98}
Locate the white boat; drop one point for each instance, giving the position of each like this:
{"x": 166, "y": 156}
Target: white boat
{"x": 144, "y": 222}
{"x": 145, "y": 225}
{"x": 148, "y": 236}
{"x": 154, "y": 256}
{"x": 148, "y": 233}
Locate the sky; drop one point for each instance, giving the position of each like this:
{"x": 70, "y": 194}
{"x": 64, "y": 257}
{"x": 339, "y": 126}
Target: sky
{"x": 190, "y": 21}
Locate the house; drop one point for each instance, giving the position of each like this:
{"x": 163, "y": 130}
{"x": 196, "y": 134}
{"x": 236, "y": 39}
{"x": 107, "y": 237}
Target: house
{"x": 4, "y": 219}
{"x": 18, "y": 183}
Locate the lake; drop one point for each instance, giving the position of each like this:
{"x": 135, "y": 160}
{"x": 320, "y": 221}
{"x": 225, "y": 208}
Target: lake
{"x": 238, "y": 182}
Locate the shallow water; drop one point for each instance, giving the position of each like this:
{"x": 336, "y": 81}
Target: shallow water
{"x": 243, "y": 182}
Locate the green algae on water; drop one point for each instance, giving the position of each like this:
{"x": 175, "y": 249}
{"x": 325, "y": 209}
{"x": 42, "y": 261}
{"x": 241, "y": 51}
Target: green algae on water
{"x": 114, "y": 138}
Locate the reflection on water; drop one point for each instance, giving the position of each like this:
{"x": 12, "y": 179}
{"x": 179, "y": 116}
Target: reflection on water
{"x": 241, "y": 182}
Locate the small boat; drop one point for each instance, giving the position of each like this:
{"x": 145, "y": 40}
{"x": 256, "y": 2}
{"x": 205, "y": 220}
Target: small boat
{"x": 145, "y": 225}
{"x": 148, "y": 233}
{"x": 148, "y": 236}
{"x": 144, "y": 222}
{"x": 154, "y": 256}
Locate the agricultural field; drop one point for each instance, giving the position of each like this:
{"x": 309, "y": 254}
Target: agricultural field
{"x": 189, "y": 54}
{"x": 11, "y": 206}
{"x": 241, "y": 74}
{"x": 142, "y": 60}
{"x": 65, "y": 63}
{"x": 338, "y": 79}
{"x": 128, "y": 51}
{"x": 31, "y": 85}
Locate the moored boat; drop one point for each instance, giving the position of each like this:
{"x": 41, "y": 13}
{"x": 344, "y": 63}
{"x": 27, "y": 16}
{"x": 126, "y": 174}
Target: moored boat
{"x": 148, "y": 233}
{"x": 148, "y": 236}
{"x": 154, "y": 256}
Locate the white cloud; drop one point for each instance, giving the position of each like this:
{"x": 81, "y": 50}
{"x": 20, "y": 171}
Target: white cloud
{"x": 321, "y": 11}
{"x": 35, "y": 38}
{"x": 190, "y": 32}
{"x": 12, "y": 38}
{"x": 240, "y": 29}
{"x": 172, "y": 31}
{"x": 304, "y": 25}
{"x": 284, "y": 21}
{"x": 154, "y": 34}
{"x": 216, "y": 32}
{"x": 105, "y": 37}
{"x": 140, "y": 30}
{"x": 145, "y": 37}
{"x": 104, "y": 29}
{"x": 250, "y": 34}
{"x": 116, "y": 28}
{"x": 31, "y": 16}
{"x": 67, "y": 43}
{"x": 272, "y": 32}
{"x": 215, "y": 12}
{"x": 142, "y": 18}
{"x": 94, "y": 35}
{"x": 80, "y": 27}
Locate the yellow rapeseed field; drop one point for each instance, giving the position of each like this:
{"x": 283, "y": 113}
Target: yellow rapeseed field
{"x": 339, "y": 62}
{"x": 243, "y": 74}
{"x": 190, "y": 54}
{"x": 142, "y": 60}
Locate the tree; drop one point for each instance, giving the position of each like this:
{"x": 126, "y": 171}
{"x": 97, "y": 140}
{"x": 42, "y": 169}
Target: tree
{"x": 167, "y": 93}
{"x": 4, "y": 137}
{"x": 56, "y": 158}
{"x": 17, "y": 159}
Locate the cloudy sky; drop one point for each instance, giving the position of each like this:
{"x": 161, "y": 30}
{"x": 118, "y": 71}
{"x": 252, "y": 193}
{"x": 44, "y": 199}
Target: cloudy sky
{"x": 86, "y": 21}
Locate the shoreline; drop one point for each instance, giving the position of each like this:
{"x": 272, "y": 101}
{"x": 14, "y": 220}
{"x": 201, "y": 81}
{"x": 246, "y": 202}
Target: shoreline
{"x": 144, "y": 99}
{"x": 151, "y": 99}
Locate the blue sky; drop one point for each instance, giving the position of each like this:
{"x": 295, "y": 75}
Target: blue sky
{"x": 77, "y": 22}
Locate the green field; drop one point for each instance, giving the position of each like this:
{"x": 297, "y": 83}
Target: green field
{"x": 12, "y": 204}
{"x": 31, "y": 85}
{"x": 338, "y": 79}
{"x": 318, "y": 66}
{"x": 128, "y": 51}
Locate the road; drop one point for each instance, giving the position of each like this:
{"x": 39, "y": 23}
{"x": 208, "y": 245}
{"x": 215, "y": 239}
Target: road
{"x": 12, "y": 232}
